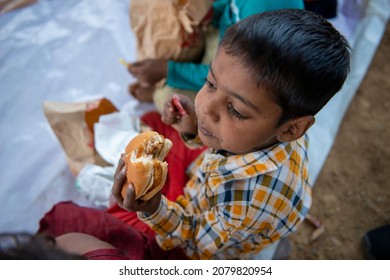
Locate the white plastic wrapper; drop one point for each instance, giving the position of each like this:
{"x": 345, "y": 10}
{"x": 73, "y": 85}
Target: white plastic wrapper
{"x": 94, "y": 183}
{"x": 112, "y": 134}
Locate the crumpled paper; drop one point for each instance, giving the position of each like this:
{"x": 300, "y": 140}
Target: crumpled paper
{"x": 170, "y": 29}
{"x": 10, "y": 5}
{"x": 67, "y": 120}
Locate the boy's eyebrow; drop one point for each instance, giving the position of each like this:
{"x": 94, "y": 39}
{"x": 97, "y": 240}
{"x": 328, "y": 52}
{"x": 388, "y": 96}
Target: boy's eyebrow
{"x": 236, "y": 95}
{"x": 243, "y": 100}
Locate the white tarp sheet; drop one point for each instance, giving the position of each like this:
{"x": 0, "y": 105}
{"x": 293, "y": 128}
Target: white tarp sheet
{"x": 67, "y": 51}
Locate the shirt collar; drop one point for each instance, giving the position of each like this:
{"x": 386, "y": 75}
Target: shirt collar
{"x": 247, "y": 165}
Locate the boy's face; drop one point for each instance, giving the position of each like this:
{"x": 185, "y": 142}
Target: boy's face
{"x": 233, "y": 113}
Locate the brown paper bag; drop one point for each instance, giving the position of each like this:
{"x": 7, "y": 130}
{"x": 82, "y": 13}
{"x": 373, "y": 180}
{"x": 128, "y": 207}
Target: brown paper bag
{"x": 10, "y": 5}
{"x": 170, "y": 29}
{"x": 72, "y": 123}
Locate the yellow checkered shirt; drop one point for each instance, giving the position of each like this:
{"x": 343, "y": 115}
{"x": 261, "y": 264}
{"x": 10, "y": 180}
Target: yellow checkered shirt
{"x": 235, "y": 206}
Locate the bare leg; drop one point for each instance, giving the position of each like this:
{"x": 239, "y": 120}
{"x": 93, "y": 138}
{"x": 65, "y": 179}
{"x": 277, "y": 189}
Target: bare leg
{"x": 80, "y": 243}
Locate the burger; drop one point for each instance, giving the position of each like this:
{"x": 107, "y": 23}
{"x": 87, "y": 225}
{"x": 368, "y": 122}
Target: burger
{"x": 145, "y": 166}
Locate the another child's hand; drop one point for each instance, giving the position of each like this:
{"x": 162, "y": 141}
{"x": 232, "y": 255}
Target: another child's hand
{"x": 129, "y": 202}
{"x": 142, "y": 94}
{"x": 183, "y": 119}
{"x": 148, "y": 72}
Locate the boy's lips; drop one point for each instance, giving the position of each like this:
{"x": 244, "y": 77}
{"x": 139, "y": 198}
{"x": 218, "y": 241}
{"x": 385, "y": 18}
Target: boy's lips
{"x": 204, "y": 131}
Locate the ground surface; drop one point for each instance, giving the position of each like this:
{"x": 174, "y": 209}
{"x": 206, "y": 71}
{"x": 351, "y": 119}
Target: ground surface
{"x": 352, "y": 193}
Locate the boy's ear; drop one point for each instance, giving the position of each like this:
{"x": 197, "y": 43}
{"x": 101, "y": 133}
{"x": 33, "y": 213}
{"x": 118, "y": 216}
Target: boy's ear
{"x": 295, "y": 129}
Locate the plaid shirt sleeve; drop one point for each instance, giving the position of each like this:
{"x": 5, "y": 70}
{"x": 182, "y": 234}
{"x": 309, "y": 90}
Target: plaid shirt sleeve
{"x": 176, "y": 223}
{"x": 235, "y": 206}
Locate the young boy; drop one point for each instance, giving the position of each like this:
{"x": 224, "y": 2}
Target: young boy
{"x": 272, "y": 73}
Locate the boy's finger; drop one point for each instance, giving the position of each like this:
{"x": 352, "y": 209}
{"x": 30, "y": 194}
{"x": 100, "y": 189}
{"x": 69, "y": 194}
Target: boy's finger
{"x": 129, "y": 202}
{"x": 169, "y": 116}
{"x": 119, "y": 181}
{"x": 121, "y": 164}
{"x": 132, "y": 88}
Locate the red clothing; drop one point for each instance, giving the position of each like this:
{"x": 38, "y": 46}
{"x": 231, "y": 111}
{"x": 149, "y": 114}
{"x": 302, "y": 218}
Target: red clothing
{"x": 105, "y": 254}
{"x": 122, "y": 229}
{"x": 131, "y": 243}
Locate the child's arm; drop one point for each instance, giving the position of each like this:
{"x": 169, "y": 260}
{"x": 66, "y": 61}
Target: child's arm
{"x": 201, "y": 235}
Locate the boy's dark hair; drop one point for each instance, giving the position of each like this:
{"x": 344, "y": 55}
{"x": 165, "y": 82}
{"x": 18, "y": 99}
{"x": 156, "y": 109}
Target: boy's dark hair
{"x": 25, "y": 246}
{"x": 298, "y": 56}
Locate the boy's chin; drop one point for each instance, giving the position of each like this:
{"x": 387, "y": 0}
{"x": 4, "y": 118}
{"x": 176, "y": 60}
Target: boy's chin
{"x": 210, "y": 142}
{"x": 213, "y": 143}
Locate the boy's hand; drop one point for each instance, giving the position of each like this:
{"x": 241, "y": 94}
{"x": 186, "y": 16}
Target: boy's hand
{"x": 129, "y": 202}
{"x": 149, "y": 71}
{"x": 180, "y": 116}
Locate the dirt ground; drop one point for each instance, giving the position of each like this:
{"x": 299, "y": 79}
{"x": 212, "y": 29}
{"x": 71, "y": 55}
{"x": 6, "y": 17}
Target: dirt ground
{"x": 352, "y": 192}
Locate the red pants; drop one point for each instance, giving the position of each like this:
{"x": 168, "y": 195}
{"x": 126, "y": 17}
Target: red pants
{"x": 117, "y": 226}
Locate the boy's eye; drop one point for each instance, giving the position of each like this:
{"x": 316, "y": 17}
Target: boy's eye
{"x": 210, "y": 85}
{"x": 234, "y": 112}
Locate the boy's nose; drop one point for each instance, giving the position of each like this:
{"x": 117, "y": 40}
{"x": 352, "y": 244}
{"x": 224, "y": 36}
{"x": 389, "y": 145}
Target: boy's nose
{"x": 212, "y": 109}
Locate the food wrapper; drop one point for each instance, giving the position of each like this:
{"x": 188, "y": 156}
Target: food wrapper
{"x": 10, "y": 5}
{"x": 112, "y": 134}
{"x": 69, "y": 123}
{"x": 170, "y": 29}
{"x": 94, "y": 183}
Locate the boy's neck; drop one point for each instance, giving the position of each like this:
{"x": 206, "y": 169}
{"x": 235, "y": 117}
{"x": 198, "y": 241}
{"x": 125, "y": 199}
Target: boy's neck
{"x": 226, "y": 153}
